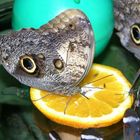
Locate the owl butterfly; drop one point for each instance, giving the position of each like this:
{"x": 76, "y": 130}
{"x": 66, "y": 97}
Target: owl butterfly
{"x": 55, "y": 57}
{"x": 131, "y": 118}
{"x": 127, "y": 23}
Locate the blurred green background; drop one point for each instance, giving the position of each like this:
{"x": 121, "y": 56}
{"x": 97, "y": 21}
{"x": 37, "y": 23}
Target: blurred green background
{"x": 19, "y": 120}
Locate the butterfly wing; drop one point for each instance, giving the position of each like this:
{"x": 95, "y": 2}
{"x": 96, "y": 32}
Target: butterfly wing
{"x": 53, "y": 135}
{"x": 75, "y": 44}
{"x": 90, "y": 134}
{"x": 127, "y": 14}
{"x": 131, "y": 128}
{"x": 62, "y": 52}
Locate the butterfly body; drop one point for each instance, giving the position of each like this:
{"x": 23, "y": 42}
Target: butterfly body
{"x": 55, "y": 57}
{"x": 127, "y": 23}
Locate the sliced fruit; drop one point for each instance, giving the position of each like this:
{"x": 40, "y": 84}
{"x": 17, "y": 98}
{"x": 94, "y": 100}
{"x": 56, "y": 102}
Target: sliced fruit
{"x": 108, "y": 99}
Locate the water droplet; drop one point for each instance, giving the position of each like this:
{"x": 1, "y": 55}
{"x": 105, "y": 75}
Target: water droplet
{"x": 77, "y": 1}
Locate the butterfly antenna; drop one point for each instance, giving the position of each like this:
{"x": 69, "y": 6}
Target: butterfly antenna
{"x": 45, "y": 95}
{"x": 100, "y": 79}
{"x": 42, "y": 97}
{"x": 135, "y": 90}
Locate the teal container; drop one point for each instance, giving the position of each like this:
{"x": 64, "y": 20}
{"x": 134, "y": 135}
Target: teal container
{"x": 34, "y": 13}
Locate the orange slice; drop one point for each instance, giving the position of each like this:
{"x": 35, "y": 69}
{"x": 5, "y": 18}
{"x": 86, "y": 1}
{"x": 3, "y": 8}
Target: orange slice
{"x": 108, "y": 100}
